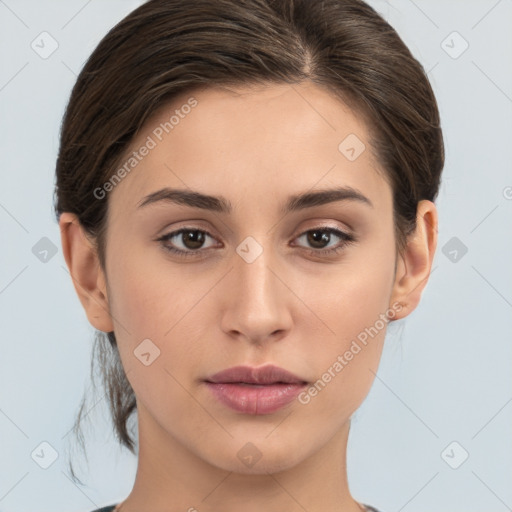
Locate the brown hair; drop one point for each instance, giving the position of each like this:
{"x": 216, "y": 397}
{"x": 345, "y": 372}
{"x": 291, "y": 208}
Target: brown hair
{"x": 166, "y": 47}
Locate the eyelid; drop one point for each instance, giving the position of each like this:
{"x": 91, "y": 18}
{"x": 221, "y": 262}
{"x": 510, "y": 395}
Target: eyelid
{"x": 176, "y": 232}
{"x": 346, "y": 237}
{"x": 321, "y": 226}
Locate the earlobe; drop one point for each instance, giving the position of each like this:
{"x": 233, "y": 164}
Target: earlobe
{"x": 85, "y": 270}
{"x": 414, "y": 266}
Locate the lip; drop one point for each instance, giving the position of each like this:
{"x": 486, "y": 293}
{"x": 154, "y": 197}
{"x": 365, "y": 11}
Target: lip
{"x": 251, "y": 390}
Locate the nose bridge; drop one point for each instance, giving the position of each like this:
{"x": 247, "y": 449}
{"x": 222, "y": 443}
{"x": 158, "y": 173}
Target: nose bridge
{"x": 257, "y": 298}
{"x": 253, "y": 274}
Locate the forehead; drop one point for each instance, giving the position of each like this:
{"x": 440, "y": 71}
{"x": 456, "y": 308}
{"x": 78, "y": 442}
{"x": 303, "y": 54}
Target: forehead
{"x": 229, "y": 141}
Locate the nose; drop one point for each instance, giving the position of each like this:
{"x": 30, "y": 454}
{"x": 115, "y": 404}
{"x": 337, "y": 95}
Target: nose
{"x": 256, "y": 300}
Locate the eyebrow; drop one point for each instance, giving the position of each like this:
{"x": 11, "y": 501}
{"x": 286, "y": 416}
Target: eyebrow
{"x": 220, "y": 204}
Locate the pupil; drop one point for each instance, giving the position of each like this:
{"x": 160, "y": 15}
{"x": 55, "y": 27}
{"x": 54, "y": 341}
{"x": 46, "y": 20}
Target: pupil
{"x": 324, "y": 237}
{"x": 193, "y": 239}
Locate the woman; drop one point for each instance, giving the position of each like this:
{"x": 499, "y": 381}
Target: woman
{"x": 245, "y": 192}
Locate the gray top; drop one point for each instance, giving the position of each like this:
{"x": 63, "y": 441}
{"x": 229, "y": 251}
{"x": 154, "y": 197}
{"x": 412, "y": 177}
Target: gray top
{"x": 110, "y": 508}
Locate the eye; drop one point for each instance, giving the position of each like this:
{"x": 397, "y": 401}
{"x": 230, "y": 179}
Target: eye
{"x": 191, "y": 240}
{"x": 319, "y": 238}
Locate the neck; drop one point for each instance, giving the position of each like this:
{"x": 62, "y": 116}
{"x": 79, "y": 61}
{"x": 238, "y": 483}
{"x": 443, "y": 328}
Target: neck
{"x": 172, "y": 477}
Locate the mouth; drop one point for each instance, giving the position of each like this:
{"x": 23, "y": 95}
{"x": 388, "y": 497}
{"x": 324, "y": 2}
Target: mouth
{"x": 263, "y": 375}
{"x": 255, "y": 391}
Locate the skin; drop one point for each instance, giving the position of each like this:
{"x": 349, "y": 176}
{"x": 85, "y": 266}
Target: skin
{"x": 256, "y": 147}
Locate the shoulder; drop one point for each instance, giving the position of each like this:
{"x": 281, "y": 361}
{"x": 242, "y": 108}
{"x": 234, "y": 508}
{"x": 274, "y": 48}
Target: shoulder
{"x": 370, "y": 508}
{"x": 109, "y": 508}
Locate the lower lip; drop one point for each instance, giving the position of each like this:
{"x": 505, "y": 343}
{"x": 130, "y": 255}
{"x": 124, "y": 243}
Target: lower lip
{"x": 252, "y": 399}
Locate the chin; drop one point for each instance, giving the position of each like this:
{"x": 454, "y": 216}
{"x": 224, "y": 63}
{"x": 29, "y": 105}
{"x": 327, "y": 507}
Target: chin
{"x": 260, "y": 458}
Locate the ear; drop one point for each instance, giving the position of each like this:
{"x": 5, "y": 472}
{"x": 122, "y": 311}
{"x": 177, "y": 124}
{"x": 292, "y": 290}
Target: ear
{"x": 88, "y": 278}
{"x": 413, "y": 267}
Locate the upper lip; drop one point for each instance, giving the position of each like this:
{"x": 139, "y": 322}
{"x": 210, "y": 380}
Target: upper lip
{"x": 269, "y": 374}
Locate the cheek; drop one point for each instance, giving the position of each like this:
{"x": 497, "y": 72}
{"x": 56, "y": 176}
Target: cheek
{"x": 355, "y": 312}
{"x": 145, "y": 307}
{"x": 146, "y": 295}
{"x": 352, "y": 295}
{"x": 156, "y": 301}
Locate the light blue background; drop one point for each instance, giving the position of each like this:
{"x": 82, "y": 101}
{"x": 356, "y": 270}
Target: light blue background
{"x": 446, "y": 372}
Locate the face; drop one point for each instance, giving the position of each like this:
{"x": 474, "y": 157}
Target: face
{"x": 304, "y": 288}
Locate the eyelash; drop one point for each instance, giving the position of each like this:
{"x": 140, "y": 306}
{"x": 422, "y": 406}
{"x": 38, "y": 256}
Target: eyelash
{"x": 346, "y": 238}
